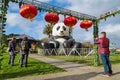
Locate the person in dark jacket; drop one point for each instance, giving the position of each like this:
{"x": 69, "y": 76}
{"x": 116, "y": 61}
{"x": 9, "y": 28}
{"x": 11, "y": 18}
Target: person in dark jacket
{"x": 25, "y": 46}
{"x": 103, "y": 50}
{"x": 12, "y": 51}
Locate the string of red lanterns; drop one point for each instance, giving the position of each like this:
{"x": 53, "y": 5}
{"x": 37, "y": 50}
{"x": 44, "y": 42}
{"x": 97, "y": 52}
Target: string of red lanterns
{"x": 29, "y": 11}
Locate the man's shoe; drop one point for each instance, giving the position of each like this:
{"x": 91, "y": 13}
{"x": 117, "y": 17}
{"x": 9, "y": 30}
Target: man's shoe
{"x": 110, "y": 74}
{"x": 107, "y": 75}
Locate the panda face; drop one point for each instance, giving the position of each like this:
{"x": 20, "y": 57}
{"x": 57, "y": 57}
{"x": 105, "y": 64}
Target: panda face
{"x": 60, "y": 29}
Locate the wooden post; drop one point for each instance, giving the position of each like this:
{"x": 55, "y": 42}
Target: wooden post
{"x": 95, "y": 33}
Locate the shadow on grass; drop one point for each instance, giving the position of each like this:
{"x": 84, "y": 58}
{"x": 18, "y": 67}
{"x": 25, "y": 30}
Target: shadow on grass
{"x": 30, "y": 71}
{"x": 85, "y": 62}
{"x": 17, "y": 74}
{"x": 20, "y": 73}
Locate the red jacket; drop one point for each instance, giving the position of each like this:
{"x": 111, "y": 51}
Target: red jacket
{"x": 103, "y": 45}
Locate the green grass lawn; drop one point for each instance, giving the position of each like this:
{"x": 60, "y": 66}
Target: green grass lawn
{"x": 114, "y": 58}
{"x": 35, "y": 67}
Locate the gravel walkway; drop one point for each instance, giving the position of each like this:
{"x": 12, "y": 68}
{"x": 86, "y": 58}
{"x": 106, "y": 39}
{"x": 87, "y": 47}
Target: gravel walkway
{"x": 74, "y": 71}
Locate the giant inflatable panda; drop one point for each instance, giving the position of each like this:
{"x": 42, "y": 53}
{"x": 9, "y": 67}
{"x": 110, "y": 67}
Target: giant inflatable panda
{"x": 61, "y": 39}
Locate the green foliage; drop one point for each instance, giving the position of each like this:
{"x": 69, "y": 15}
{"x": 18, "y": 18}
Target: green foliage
{"x": 2, "y": 50}
{"x": 13, "y": 0}
{"x": 95, "y": 34}
{"x": 48, "y": 29}
{"x": 96, "y": 56}
{"x": 4, "y": 39}
{"x": 12, "y": 35}
{"x": 35, "y": 67}
{"x": 16, "y": 1}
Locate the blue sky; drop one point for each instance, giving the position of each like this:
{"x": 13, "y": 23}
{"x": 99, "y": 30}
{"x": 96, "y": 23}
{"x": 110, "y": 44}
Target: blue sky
{"x": 19, "y": 25}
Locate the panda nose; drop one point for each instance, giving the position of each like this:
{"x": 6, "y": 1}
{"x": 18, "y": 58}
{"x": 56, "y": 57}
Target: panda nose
{"x": 61, "y": 31}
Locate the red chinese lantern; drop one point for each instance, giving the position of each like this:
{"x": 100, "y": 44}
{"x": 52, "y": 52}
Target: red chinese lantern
{"x": 70, "y": 21}
{"x": 52, "y": 18}
{"x": 86, "y": 24}
{"x": 28, "y": 11}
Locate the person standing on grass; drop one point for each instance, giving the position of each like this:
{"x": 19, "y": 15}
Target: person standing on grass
{"x": 103, "y": 50}
{"x": 12, "y": 51}
{"x": 25, "y": 46}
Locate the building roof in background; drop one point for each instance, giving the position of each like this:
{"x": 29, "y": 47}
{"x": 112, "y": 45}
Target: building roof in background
{"x": 21, "y": 36}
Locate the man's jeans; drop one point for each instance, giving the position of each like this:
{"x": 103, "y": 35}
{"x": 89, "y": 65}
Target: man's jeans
{"x": 106, "y": 63}
{"x": 24, "y": 58}
{"x": 12, "y": 58}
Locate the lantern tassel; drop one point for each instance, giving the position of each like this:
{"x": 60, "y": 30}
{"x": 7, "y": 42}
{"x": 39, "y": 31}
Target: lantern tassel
{"x": 71, "y": 28}
{"x": 86, "y": 29}
{"x": 30, "y": 19}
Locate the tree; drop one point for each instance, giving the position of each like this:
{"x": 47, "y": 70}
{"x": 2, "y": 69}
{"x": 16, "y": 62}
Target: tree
{"x": 10, "y": 35}
{"x": 4, "y": 39}
{"x": 48, "y": 29}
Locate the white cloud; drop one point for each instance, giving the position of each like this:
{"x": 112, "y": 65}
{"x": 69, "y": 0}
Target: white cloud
{"x": 38, "y": 30}
{"x": 45, "y": 0}
{"x": 13, "y": 6}
{"x": 92, "y": 7}
{"x": 81, "y": 35}
{"x": 112, "y": 30}
{"x": 35, "y": 28}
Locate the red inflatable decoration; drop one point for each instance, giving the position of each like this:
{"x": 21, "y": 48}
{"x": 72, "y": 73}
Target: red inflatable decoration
{"x": 85, "y": 24}
{"x": 28, "y": 11}
{"x": 52, "y": 18}
{"x": 70, "y": 21}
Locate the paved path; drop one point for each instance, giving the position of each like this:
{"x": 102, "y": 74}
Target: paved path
{"x": 68, "y": 66}
{"x": 74, "y": 71}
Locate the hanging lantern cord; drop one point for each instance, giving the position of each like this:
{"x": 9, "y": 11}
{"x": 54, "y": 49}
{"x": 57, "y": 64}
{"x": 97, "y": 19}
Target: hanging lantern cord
{"x": 30, "y": 19}
{"x": 86, "y": 29}
{"x": 20, "y": 3}
{"x": 71, "y": 30}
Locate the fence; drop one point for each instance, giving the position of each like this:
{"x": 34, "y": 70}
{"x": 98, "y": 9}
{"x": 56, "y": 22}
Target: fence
{"x": 79, "y": 55}
{"x": 67, "y": 51}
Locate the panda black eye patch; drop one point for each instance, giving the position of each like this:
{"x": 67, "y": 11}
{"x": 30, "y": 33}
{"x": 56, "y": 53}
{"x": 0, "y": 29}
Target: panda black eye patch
{"x": 64, "y": 28}
{"x": 58, "y": 28}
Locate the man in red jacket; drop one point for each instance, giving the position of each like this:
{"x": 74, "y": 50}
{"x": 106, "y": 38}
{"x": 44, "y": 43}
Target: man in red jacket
{"x": 103, "y": 50}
